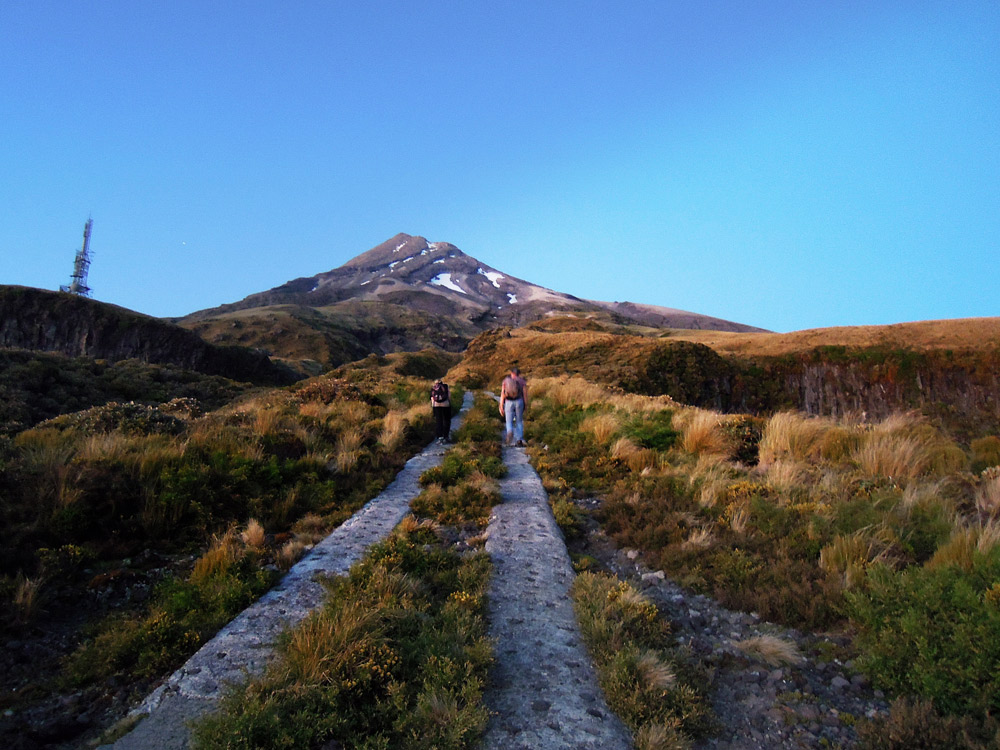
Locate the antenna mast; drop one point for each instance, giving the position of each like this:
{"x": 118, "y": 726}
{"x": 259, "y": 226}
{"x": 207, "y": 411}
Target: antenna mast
{"x": 78, "y": 281}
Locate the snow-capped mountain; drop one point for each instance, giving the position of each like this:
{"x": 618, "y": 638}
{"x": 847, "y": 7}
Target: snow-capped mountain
{"x": 438, "y": 278}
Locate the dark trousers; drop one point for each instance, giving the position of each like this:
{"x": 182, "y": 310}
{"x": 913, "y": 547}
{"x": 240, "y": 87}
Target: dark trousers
{"x": 442, "y": 421}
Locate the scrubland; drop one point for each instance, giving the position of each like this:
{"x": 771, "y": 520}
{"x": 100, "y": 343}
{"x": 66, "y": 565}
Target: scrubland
{"x": 888, "y": 530}
{"x": 132, "y": 532}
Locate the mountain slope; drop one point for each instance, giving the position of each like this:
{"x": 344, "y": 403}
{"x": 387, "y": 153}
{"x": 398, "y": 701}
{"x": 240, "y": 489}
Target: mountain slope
{"x": 407, "y": 294}
{"x": 40, "y": 320}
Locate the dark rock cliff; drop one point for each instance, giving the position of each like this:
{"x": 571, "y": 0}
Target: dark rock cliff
{"x": 59, "y": 322}
{"x": 962, "y": 389}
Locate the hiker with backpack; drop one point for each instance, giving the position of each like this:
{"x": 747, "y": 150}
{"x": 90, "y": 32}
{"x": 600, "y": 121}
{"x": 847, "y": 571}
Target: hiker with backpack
{"x": 441, "y": 408}
{"x": 513, "y": 403}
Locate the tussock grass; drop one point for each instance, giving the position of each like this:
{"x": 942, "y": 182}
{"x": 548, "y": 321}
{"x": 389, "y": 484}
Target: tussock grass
{"x": 253, "y": 535}
{"x": 348, "y": 451}
{"x": 396, "y": 658}
{"x": 703, "y": 434}
{"x": 291, "y": 552}
{"x": 787, "y": 476}
{"x": 790, "y": 435}
{"x": 393, "y": 429}
{"x": 988, "y": 495}
{"x": 965, "y": 544}
{"x": 27, "y": 598}
{"x": 602, "y": 426}
{"x": 848, "y": 556}
{"x": 770, "y": 649}
{"x": 643, "y": 680}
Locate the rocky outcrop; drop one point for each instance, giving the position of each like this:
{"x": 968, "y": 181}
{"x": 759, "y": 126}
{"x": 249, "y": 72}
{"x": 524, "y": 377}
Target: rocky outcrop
{"x": 960, "y": 388}
{"x": 40, "y": 320}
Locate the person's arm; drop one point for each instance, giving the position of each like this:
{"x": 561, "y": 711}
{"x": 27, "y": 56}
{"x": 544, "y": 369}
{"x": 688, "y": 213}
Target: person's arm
{"x": 524, "y": 394}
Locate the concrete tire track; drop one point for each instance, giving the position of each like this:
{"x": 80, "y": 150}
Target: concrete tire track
{"x": 242, "y": 648}
{"x": 543, "y": 691}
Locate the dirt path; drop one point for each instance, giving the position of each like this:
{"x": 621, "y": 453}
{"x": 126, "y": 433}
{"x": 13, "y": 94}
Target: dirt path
{"x": 243, "y": 646}
{"x": 543, "y": 691}
{"x": 812, "y": 703}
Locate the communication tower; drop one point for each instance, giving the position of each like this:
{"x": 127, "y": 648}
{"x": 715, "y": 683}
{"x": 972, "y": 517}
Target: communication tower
{"x": 78, "y": 281}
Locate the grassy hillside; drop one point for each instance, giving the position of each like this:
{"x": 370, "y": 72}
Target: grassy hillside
{"x": 888, "y": 531}
{"x": 961, "y": 335}
{"x": 327, "y": 337}
{"x": 35, "y": 386}
{"x": 40, "y": 320}
{"x": 958, "y": 386}
{"x": 129, "y": 533}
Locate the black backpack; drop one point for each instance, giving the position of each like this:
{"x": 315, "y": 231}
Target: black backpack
{"x": 439, "y": 393}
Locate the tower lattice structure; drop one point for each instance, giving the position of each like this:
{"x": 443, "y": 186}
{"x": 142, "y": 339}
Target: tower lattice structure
{"x": 78, "y": 280}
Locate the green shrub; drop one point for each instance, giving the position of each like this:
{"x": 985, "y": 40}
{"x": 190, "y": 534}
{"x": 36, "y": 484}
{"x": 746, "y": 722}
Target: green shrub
{"x": 396, "y": 658}
{"x": 933, "y": 632}
{"x": 985, "y": 453}
{"x": 653, "y": 431}
{"x": 644, "y": 681}
{"x": 916, "y": 725}
{"x": 180, "y": 617}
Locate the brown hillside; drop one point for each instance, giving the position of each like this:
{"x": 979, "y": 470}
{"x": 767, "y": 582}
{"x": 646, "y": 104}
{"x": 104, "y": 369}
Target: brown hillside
{"x": 964, "y": 334}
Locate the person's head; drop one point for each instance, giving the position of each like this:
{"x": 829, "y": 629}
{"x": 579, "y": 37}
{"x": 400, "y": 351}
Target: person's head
{"x": 515, "y": 371}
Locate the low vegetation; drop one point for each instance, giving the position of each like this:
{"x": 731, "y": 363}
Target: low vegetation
{"x": 463, "y": 489}
{"x": 891, "y": 528}
{"x": 644, "y": 679}
{"x": 398, "y": 657}
{"x": 151, "y": 526}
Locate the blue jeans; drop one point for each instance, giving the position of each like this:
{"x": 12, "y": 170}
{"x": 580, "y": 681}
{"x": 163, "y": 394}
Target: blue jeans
{"x": 513, "y": 412}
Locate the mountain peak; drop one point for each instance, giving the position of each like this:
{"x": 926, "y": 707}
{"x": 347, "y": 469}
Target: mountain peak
{"x": 438, "y": 278}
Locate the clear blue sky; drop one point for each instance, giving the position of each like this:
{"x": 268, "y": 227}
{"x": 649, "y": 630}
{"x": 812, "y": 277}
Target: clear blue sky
{"x": 785, "y": 164}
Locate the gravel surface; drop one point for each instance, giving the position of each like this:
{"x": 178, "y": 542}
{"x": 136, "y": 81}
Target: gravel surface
{"x": 813, "y": 703}
{"x": 543, "y": 691}
{"x": 243, "y": 647}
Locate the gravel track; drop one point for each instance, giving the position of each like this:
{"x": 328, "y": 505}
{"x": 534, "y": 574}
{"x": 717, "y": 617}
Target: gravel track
{"x": 543, "y": 691}
{"x": 242, "y": 648}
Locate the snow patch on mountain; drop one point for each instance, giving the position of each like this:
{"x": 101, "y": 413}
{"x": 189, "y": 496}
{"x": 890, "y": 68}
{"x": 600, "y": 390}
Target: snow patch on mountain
{"x": 444, "y": 279}
{"x": 493, "y": 276}
{"x": 512, "y": 298}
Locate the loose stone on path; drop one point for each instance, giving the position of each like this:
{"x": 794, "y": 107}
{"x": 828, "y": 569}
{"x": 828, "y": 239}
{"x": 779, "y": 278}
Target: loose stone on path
{"x": 242, "y": 648}
{"x": 544, "y": 691}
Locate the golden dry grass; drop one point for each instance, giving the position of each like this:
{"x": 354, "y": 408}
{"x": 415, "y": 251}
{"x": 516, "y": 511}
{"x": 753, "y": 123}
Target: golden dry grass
{"x": 393, "y": 430}
{"x": 602, "y": 426}
{"x": 699, "y": 539}
{"x": 787, "y": 476}
{"x": 655, "y": 672}
{"x": 253, "y": 535}
{"x": 217, "y": 559}
{"x": 26, "y": 598}
{"x": 702, "y": 434}
{"x": 792, "y": 435}
{"x": 988, "y": 495}
{"x": 770, "y": 649}
{"x": 290, "y": 554}
{"x": 848, "y": 556}
{"x": 965, "y": 542}
{"x": 660, "y": 737}
{"x": 348, "y": 449}
{"x": 968, "y": 334}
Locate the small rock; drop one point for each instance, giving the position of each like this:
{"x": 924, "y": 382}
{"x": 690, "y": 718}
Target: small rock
{"x": 839, "y": 683}
{"x": 632, "y": 554}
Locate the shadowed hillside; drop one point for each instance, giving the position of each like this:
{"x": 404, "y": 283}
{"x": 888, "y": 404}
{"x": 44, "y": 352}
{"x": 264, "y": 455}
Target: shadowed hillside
{"x": 959, "y": 385}
{"x": 40, "y": 320}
